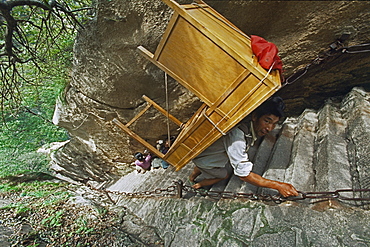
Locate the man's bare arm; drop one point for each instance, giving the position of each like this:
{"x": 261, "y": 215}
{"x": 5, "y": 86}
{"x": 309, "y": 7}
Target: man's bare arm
{"x": 284, "y": 189}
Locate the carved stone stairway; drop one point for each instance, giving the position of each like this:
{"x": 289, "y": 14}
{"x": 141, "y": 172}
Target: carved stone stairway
{"x": 317, "y": 151}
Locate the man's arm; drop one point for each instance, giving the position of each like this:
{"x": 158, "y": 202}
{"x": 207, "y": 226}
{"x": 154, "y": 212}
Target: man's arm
{"x": 285, "y": 189}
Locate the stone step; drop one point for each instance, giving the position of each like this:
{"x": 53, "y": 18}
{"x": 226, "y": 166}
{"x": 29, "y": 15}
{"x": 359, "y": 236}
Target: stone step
{"x": 280, "y": 156}
{"x": 151, "y": 180}
{"x": 264, "y": 152}
{"x": 221, "y": 186}
{"x": 331, "y": 160}
{"x": 318, "y": 151}
{"x": 356, "y": 109}
{"x": 128, "y": 182}
{"x": 236, "y": 185}
{"x": 300, "y": 171}
{"x": 169, "y": 176}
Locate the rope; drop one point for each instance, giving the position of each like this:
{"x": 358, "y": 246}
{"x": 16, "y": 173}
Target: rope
{"x": 167, "y": 109}
{"x": 268, "y": 72}
{"x": 215, "y": 126}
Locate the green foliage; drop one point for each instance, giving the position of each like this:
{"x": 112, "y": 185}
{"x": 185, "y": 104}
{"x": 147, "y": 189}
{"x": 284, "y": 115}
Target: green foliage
{"x": 36, "y": 189}
{"x": 39, "y": 42}
{"x": 26, "y": 124}
{"x": 28, "y": 129}
{"x": 54, "y": 220}
{"x": 83, "y": 226}
{"x": 9, "y": 188}
{"x": 18, "y": 208}
{"x": 35, "y": 195}
{"x": 50, "y": 211}
{"x": 21, "y": 161}
{"x": 30, "y": 126}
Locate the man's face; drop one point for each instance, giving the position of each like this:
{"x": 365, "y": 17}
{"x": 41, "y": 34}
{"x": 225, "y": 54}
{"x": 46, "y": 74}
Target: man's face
{"x": 263, "y": 125}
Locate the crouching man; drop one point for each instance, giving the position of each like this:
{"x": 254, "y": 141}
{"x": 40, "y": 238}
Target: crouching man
{"x": 232, "y": 149}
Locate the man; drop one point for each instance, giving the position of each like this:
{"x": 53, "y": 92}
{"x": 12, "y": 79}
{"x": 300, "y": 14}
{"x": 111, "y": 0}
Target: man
{"x": 232, "y": 149}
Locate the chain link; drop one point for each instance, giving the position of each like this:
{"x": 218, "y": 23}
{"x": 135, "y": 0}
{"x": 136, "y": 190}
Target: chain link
{"x": 179, "y": 187}
{"x": 336, "y": 50}
{"x": 169, "y": 191}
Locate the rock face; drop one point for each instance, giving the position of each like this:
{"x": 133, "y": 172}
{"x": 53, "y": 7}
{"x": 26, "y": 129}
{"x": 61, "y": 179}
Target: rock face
{"x": 200, "y": 222}
{"x": 322, "y": 146}
{"x": 315, "y": 152}
{"x": 109, "y": 76}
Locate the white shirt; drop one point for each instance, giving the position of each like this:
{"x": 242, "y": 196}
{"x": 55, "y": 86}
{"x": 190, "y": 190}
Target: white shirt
{"x": 231, "y": 148}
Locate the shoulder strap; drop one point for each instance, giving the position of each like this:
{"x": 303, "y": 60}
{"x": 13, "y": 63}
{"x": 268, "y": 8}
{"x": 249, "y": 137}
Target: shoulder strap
{"x": 244, "y": 128}
{"x": 247, "y": 135}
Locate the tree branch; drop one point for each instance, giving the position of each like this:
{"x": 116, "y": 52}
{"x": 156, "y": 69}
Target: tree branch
{"x": 29, "y": 40}
{"x": 14, "y": 3}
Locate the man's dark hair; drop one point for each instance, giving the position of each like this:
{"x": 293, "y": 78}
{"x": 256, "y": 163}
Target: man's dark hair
{"x": 274, "y": 105}
{"x": 139, "y": 156}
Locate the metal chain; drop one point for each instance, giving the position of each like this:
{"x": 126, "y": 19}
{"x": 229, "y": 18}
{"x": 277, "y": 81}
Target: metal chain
{"x": 349, "y": 50}
{"x": 169, "y": 191}
{"x": 332, "y": 195}
{"x": 336, "y": 50}
{"x": 278, "y": 198}
{"x": 179, "y": 187}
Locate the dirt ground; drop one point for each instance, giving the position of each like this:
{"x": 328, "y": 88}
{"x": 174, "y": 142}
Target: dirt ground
{"x": 61, "y": 214}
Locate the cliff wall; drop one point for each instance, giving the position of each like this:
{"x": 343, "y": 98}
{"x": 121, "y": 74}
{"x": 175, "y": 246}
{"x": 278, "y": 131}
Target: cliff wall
{"x": 109, "y": 76}
{"x": 322, "y": 146}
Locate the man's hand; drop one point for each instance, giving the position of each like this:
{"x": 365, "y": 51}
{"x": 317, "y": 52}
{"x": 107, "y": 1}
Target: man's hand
{"x": 284, "y": 189}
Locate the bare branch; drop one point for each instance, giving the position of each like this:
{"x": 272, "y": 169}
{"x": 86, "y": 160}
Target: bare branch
{"x": 28, "y": 39}
{"x": 15, "y": 3}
